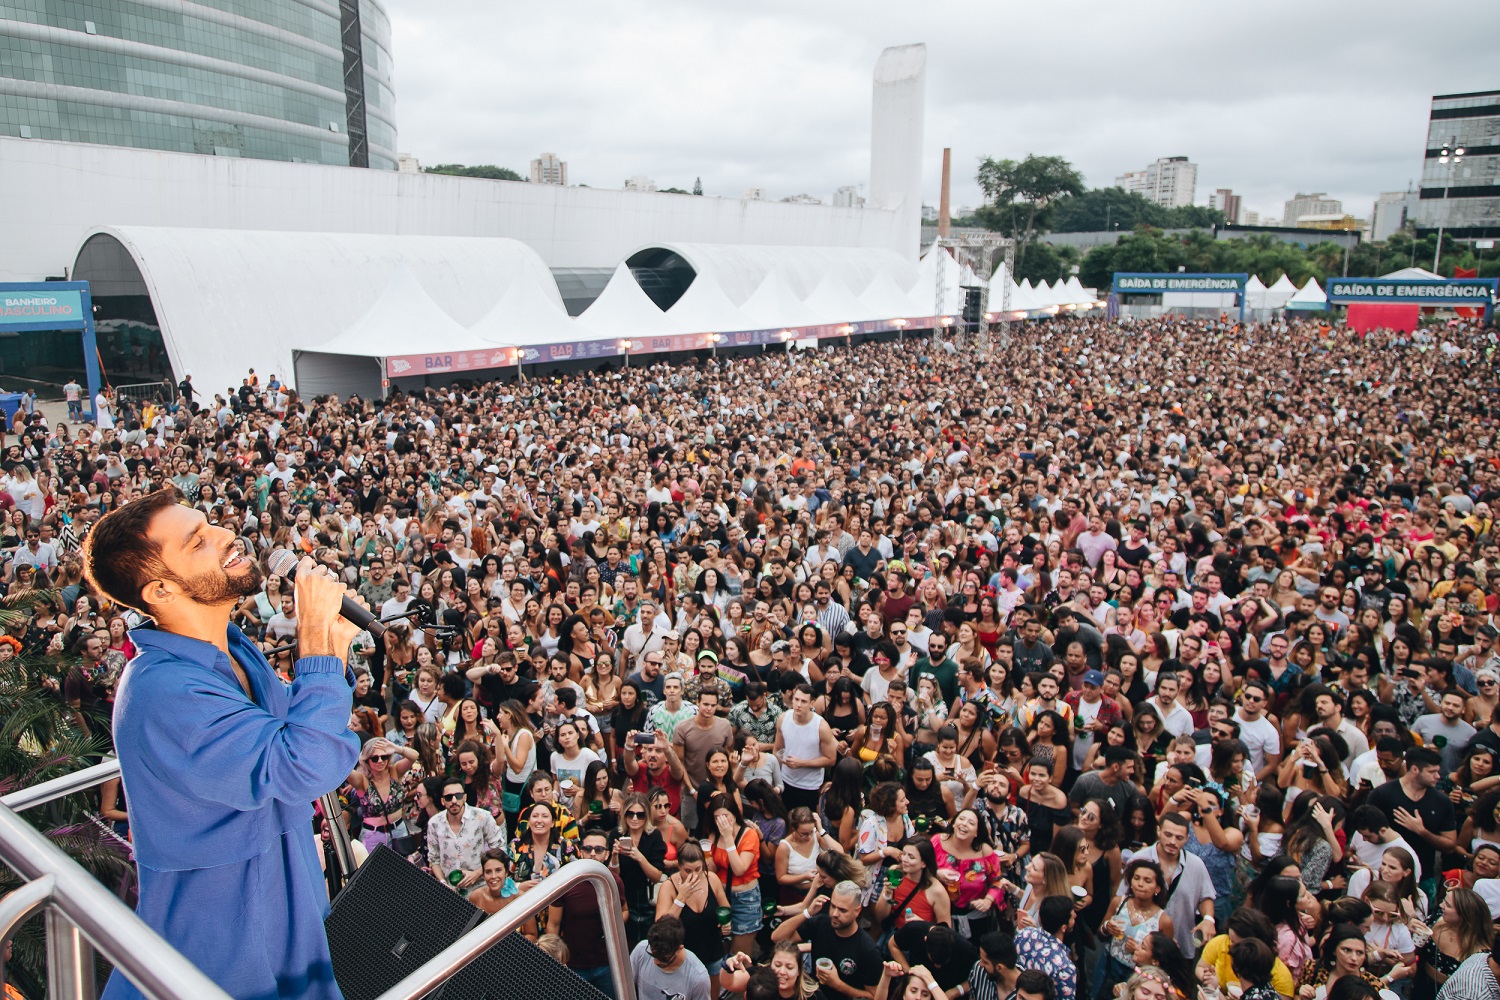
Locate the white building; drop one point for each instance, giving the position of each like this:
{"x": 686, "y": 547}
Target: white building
{"x": 754, "y": 194}
{"x": 848, "y": 196}
{"x": 1170, "y": 181}
{"x": 1392, "y": 211}
{"x": 1317, "y": 203}
{"x": 549, "y": 168}
{"x": 407, "y": 164}
{"x": 802, "y": 199}
{"x": 639, "y": 183}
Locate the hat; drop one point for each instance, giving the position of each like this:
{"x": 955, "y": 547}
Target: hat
{"x": 1467, "y": 609}
{"x": 708, "y": 654}
{"x": 1094, "y": 677}
{"x": 896, "y": 566}
{"x": 672, "y": 633}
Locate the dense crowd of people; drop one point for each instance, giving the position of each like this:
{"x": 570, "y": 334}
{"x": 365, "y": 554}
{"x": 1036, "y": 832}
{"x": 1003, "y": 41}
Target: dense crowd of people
{"x": 1147, "y": 659}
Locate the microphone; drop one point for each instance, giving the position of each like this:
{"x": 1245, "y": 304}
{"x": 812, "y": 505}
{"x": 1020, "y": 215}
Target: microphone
{"x": 283, "y": 563}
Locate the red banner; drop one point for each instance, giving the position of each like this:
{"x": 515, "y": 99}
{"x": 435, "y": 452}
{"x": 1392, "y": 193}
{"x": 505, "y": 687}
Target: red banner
{"x": 1366, "y": 316}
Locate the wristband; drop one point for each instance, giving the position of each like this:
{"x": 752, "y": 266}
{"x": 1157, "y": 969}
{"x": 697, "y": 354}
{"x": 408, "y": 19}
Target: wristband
{"x": 678, "y": 902}
{"x": 934, "y": 987}
{"x": 805, "y": 914}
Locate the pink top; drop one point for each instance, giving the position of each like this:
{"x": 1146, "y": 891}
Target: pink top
{"x": 976, "y": 876}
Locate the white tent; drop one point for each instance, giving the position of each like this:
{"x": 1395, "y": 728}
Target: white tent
{"x": 774, "y": 305}
{"x": 1255, "y": 293}
{"x": 1279, "y": 293}
{"x": 1310, "y": 296}
{"x": 1077, "y": 294}
{"x": 527, "y": 315}
{"x": 403, "y": 320}
{"x": 1413, "y": 274}
{"x": 621, "y": 312}
{"x": 705, "y": 308}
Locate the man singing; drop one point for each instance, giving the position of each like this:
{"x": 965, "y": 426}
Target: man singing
{"x": 221, "y": 760}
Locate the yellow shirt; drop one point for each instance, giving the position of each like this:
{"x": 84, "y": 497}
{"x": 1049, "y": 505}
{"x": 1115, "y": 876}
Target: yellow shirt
{"x": 1216, "y": 953}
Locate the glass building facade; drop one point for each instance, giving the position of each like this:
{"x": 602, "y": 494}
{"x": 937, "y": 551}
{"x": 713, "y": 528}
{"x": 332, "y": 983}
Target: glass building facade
{"x": 1463, "y": 194}
{"x": 299, "y": 80}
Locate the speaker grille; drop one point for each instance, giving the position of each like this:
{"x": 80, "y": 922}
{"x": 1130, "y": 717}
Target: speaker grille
{"x": 516, "y": 969}
{"x": 390, "y": 918}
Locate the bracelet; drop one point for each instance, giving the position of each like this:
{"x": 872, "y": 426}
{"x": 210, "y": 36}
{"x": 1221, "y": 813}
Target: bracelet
{"x": 678, "y": 902}
{"x": 805, "y": 914}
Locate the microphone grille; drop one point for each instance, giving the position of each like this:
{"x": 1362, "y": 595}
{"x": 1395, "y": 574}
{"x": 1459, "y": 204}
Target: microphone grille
{"x": 282, "y": 562}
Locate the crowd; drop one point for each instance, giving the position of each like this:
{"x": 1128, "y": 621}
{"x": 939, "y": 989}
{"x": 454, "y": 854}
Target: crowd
{"x": 1152, "y": 660}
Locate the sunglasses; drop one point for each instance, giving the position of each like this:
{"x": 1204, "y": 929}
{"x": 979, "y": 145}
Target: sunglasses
{"x": 635, "y": 814}
{"x": 585, "y": 849}
{"x": 454, "y": 797}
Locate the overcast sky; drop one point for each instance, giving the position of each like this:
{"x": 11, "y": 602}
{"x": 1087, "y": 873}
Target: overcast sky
{"x": 1268, "y": 99}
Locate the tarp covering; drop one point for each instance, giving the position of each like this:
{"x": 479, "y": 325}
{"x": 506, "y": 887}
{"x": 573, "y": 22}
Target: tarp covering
{"x": 1365, "y": 316}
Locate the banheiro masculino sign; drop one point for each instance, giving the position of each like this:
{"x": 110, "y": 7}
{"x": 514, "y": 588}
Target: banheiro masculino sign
{"x": 32, "y": 307}
{"x": 1455, "y": 291}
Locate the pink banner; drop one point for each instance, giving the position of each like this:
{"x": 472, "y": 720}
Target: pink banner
{"x": 407, "y": 365}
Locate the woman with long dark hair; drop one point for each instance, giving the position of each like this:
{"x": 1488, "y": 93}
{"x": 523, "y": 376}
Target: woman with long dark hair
{"x": 920, "y": 894}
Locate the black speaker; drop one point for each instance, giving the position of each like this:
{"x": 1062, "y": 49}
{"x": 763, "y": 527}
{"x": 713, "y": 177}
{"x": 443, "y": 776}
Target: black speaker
{"x": 516, "y": 969}
{"x": 391, "y": 918}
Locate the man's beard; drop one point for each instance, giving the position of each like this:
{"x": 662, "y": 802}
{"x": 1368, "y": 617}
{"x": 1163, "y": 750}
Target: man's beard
{"x": 220, "y": 587}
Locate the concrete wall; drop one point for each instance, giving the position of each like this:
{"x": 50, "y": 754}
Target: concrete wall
{"x": 52, "y": 194}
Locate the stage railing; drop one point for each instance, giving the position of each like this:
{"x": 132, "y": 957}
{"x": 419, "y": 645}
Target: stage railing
{"x": 82, "y": 915}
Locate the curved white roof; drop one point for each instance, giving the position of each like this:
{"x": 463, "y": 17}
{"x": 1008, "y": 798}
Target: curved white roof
{"x": 740, "y": 269}
{"x": 231, "y": 300}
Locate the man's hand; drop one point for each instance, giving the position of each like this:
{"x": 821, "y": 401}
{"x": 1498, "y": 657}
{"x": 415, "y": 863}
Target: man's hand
{"x": 1412, "y": 821}
{"x": 321, "y": 631}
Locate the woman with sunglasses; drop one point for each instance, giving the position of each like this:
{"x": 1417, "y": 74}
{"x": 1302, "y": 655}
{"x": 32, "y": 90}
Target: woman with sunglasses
{"x": 640, "y": 853}
{"x": 376, "y": 786}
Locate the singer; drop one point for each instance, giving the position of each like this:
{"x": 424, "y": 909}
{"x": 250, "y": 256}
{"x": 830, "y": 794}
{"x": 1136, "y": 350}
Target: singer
{"x": 221, "y": 760}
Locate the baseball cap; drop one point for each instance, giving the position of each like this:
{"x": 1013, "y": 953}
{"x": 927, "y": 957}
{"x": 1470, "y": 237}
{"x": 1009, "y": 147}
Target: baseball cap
{"x": 1094, "y": 677}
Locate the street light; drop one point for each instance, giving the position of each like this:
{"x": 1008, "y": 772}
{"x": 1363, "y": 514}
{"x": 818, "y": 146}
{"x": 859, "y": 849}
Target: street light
{"x": 900, "y": 325}
{"x": 625, "y": 346}
{"x": 1451, "y": 161}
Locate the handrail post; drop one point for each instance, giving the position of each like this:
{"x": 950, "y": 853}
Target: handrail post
{"x": 19, "y": 907}
{"x": 70, "y": 961}
{"x": 338, "y": 835}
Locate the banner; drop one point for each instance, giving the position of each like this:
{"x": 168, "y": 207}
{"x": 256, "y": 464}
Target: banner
{"x": 32, "y": 307}
{"x": 1460, "y": 291}
{"x": 1156, "y": 284}
{"x": 408, "y": 365}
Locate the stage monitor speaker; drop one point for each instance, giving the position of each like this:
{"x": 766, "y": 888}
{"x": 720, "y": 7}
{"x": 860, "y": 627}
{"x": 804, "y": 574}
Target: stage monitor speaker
{"x": 516, "y": 969}
{"x": 391, "y": 918}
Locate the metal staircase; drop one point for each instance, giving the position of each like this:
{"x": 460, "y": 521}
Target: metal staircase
{"x": 83, "y": 916}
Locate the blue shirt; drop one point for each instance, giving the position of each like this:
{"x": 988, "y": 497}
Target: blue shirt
{"x": 221, "y": 790}
{"x": 1036, "y": 949}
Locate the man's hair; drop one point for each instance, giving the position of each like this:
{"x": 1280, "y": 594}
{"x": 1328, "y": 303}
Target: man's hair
{"x": 940, "y": 943}
{"x": 1000, "y": 947}
{"x": 1422, "y": 757}
{"x": 119, "y": 555}
{"x": 1253, "y": 960}
{"x": 1248, "y": 923}
{"x": 848, "y": 887}
{"x": 1117, "y": 754}
{"x": 1367, "y": 818}
{"x": 1176, "y": 818}
{"x": 1054, "y": 913}
{"x": 1035, "y": 981}
{"x": 664, "y": 938}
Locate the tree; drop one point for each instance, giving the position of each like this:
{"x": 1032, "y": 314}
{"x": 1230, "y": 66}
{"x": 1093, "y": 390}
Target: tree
{"x": 38, "y": 742}
{"x": 1046, "y": 262}
{"x": 486, "y": 170}
{"x": 697, "y": 185}
{"x": 673, "y": 191}
{"x": 1018, "y": 195}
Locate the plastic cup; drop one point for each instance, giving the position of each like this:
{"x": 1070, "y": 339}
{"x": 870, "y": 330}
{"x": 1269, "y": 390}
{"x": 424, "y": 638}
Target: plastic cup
{"x": 725, "y": 914}
{"x": 825, "y": 964}
{"x": 1250, "y": 812}
{"x": 707, "y": 845}
{"x": 596, "y": 807}
{"x": 893, "y": 877}
{"x": 1079, "y": 892}
{"x": 1453, "y": 883}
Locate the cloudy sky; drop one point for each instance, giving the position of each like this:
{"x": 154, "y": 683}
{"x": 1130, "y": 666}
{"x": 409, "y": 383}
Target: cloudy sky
{"x": 1269, "y": 99}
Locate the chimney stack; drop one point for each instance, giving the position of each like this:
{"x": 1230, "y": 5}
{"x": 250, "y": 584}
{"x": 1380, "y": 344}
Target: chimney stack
{"x": 944, "y": 216}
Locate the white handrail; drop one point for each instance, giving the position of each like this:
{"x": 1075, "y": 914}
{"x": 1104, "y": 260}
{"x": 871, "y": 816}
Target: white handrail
{"x": 162, "y": 973}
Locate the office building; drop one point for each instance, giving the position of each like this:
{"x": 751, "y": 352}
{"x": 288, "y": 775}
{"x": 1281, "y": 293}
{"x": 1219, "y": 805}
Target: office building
{"x": 639, "y": 183}
{"x": 1460, "y": 191}
{"x": 1317, "y": 203}
{"x": 549, "y": 168}
{"x": 1170, "y": 181}
{"x": 1391, "y": 212}
{"x": 264, "y": 79}
{"x": 1227, "y": 202}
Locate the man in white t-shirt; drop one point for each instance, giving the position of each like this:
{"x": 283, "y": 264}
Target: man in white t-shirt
{"x": 1174, "y": 718}
{"x": 1261, "y": 738}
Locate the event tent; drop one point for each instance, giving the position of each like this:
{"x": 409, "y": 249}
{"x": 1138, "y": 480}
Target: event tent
{"x": 1310, "y": 296}
{"x": 1255, "y": 293}
{"x": 1280, "y": 292}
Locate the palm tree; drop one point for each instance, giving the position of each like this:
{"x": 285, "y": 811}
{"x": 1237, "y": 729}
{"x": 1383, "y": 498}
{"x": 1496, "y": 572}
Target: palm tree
{"x": 40, "y": 741}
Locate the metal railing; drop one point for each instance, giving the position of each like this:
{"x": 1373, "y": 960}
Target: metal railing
{"x": 83, "y": 915}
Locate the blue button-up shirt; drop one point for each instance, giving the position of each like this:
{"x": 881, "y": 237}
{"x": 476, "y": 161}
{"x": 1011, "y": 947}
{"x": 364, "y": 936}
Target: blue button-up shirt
{"x": 220, "y": 790}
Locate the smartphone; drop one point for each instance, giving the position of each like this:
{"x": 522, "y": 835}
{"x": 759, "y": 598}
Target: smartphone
{"x": 645, "y": 739}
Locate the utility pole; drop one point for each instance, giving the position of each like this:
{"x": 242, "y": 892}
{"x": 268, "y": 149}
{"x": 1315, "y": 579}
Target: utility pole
{"x": 1451, "y": 161}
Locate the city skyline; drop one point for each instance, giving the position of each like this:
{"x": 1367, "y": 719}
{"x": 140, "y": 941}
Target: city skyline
{"x": 777, "y": 95}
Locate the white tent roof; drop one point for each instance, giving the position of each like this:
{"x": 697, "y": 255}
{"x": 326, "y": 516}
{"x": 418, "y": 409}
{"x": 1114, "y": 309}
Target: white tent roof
{"x": 1076, "y": 292}
{"x": 832, "y": 302}
{"x": 231, "y": 300}
{"x": 621, "y": 310}
{"x": 1279, "y": 293}
{"x": 740, "y": 269}
{"x": 1414, "y": 274}
{"x": 402, "y": 319}
{"x": 1310, "y": 295}
{"x": 774, "y": 305}
{"x": 525, "y": 316}
{"x": 704, "y": 308}
{"x": 1255, "y": 293}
